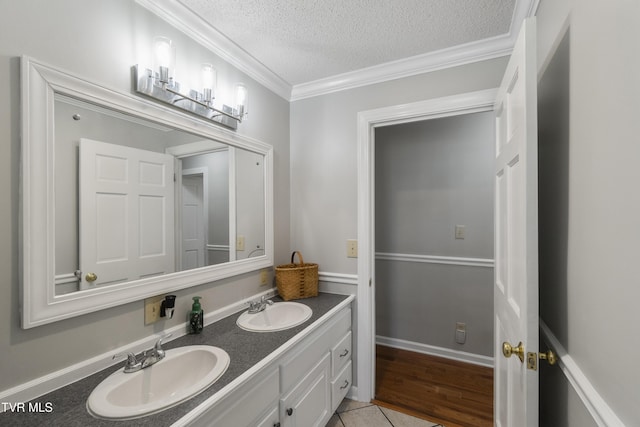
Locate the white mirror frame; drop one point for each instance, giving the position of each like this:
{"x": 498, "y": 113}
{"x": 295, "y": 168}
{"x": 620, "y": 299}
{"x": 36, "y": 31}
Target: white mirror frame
{"x": 40, "y": 305}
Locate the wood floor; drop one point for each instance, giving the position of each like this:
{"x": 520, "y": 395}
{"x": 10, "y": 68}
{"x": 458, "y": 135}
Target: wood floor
{"x": 452, "y": 393}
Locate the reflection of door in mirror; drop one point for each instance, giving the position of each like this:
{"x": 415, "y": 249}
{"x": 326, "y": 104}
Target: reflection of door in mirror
{"x": 126, "y": 214}
{"x": 214, "y": 170}
{"x": 193, "y": 214}
{"x": 233, "y": 197}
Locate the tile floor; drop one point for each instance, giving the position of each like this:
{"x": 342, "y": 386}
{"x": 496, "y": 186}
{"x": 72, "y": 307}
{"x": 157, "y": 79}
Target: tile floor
{"x": 359, "y": 414}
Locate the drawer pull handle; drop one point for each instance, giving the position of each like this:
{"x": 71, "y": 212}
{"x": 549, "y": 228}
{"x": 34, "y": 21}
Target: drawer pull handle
{"x": 289, "y": 411}
{"x": 345, "y": 353}
{"x": 276, "y": 425}
{"x": 346, "y": 384}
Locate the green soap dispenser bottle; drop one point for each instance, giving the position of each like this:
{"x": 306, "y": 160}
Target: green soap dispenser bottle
{"x": 196, "y": 322}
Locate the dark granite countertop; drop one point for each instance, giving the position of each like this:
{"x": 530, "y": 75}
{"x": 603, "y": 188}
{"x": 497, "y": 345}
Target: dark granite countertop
{"x": 67, "y": 405}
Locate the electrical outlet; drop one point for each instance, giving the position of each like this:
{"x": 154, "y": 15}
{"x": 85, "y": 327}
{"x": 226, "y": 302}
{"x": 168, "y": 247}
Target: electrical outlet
{"x": 459, "y": 231}
{"x": 461, "y": 332}
{"x": 264, "y": 277}
{"x": 240, "y": 243}
{"x": 152, "y": 309}
{"x": 352, "y": 248}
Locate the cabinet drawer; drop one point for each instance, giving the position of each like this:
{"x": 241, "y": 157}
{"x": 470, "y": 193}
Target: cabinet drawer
{"x": 340, "y": 386}
{"x": 340, "y": 354}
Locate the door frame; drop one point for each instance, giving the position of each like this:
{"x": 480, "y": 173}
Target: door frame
{"x": 368, "y": 121}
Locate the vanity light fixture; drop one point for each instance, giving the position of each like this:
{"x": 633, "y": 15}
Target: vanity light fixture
{"x": 160, "y": 85}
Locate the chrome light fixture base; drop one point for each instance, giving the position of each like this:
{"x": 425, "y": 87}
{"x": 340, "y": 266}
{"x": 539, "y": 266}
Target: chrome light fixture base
{"x": 149, "y": 84}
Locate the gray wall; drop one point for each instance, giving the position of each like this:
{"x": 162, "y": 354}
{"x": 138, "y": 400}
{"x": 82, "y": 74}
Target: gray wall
{"x": 324, "y": 163}
{"x": 100, "y": 41}
{"x": 589, "y": 99}
{"x": 429, "y": 177}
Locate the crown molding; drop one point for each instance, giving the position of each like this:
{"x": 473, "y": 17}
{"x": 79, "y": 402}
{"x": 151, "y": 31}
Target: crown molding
{"x": 452, "y": 57}
{"x": 183, "y": 19}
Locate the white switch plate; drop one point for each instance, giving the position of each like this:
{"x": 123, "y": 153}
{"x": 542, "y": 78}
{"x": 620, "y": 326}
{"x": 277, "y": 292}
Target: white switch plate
{"x": 352, "y": 248}
{"x": 459, "y": 231}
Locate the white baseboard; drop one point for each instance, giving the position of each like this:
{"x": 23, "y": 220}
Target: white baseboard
{"x": 55, "y": 380}
{"x": 460, "y": 356}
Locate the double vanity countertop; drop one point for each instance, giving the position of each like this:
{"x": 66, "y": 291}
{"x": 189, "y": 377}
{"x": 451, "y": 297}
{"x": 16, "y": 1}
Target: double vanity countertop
{"x": 246, "y": 349}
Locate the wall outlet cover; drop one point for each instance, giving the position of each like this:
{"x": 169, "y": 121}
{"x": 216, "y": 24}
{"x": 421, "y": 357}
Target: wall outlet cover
{"x": 352, "y": 248}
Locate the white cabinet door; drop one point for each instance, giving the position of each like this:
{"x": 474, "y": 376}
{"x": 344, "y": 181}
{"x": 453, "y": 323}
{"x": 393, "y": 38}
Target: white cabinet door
{"x": 516, "y": 238}
{"x": 309, "y": 403}
{"x": 126, "y": 213}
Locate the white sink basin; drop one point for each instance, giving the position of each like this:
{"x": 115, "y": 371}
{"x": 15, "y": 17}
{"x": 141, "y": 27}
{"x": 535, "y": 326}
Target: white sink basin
{"x": 276, "y": 317}
{"x": 184, "y": 372}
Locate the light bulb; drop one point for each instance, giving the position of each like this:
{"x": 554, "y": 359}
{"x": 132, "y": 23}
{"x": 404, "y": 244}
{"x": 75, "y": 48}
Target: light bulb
{"x": 242, "y": 96}
{"x": 163, "y": 54}
{"x": 208, "y": 82}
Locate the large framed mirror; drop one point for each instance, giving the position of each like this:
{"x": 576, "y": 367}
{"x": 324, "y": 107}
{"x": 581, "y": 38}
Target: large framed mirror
{"x": 123, "y": 199}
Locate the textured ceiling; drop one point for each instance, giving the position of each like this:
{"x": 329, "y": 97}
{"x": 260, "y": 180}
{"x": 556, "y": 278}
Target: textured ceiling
{"x": 307, "y": 40}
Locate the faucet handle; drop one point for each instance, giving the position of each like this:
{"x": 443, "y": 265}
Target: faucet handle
{"x": 158, "y": 346}
{"x": 132, "y": 362}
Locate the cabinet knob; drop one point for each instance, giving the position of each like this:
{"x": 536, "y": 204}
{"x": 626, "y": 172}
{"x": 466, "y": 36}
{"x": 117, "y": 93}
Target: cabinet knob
{"x": 290, "y": 411}
{"x": 276, "y": 425}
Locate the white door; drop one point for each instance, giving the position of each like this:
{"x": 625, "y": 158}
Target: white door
{"x": 193, "y": 229}
{"x": 516, "y": 239}
{"x": 126, "y": 213}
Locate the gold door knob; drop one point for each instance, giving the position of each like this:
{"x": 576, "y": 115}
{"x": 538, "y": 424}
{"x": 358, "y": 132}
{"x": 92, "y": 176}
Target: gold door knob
{"x": 508, "y": 350}
{"x": 91, "y": 277}
{"x": 549, "y": 356}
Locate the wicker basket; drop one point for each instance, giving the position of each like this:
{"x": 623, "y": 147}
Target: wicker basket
{"x": 296, "y": 281}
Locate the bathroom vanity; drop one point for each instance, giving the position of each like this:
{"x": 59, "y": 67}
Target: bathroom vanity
{"x": 295, "y": 377}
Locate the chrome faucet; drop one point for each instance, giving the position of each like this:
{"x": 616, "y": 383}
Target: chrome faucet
{"x": 149, "y": 357}
{"x": 258, "y": 306}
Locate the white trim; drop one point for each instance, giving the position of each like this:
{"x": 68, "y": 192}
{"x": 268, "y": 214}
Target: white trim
{"x": 337, "y": 283}
{"x": 433, "y": 259}
{"x": 55, "y": 380}
{"x": 367, "y": 122}
{"x": 62, "y": 279}
{"x": 348, "y": 279}
{"x": 447, "y": 353}
{"x": 602, "y": 413}
{"x": 482, "y": 50}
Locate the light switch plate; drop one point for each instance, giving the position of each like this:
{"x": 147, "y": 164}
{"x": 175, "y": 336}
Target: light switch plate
{"x": 459, "y": 231}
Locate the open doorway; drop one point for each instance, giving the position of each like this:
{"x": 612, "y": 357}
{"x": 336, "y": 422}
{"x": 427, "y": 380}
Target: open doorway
{"x": 368, "y": 123}
{"x": 434, "y": 267}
